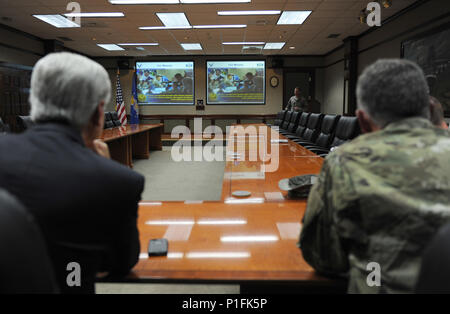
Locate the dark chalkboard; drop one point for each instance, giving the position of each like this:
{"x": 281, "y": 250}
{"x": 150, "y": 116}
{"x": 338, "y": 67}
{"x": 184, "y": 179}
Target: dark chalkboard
{"x": 431, "y": 51}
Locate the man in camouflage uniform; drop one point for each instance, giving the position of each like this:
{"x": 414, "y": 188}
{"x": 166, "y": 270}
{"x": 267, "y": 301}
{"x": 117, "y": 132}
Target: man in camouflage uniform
{"x": 381, "y": 197}
{"x": 297, "y": 102}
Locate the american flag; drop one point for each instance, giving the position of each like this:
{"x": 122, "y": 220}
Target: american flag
{"x": 120, "y": 105}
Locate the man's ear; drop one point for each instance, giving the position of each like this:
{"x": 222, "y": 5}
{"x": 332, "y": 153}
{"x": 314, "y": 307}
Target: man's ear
{"x": 365, "y": 122}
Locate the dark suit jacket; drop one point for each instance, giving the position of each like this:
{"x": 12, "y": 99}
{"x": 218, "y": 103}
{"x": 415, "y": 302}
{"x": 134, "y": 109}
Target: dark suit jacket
{"x": 85, "y": 205}
{"x": 25, "y": 266}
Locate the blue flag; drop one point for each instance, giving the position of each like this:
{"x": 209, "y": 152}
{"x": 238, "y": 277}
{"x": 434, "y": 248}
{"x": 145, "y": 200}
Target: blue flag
{"x": 134, "y": 115}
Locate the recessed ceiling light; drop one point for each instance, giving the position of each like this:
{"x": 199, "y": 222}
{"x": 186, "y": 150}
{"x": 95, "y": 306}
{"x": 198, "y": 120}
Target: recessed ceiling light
{"x": 291, "y": 47}
{"x": 274, "y": 46}
{"x": 215, "y": 1}
{"x": 221, "y": 26}
{"x": 100, "y": 14}
{"x": 110, "y": 47}
{"x": 195, "y": 46}
{"x": 144, "y": 1}
{"x": 293, "y": 17}
{"x": 139, "y": 44}
{"x": 148, "y": 28}
{"x": 173, "y": 19}
{"x": 244, "y": 43}
{"x": 56, "y": 20}
{"x": 256, "y": 12}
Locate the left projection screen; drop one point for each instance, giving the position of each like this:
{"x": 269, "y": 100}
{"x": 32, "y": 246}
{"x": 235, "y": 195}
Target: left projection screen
{"x": 165, "y": 83}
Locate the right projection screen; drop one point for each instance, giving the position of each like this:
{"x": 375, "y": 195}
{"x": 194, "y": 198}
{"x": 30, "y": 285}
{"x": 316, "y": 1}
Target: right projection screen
{"x": 236, "y": 82}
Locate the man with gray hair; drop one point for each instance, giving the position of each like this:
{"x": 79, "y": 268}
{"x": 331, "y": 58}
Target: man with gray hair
{"x": 85, "y": 204}
{"x": 380, "y": 198}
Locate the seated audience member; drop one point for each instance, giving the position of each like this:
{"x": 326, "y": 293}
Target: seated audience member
{"x": 25, "y": 266}
{"x": 381, "y": 197}
{"x": 84, "y": 203}
{"x": 435, "y": 269}
{"x": 437, "y": 113}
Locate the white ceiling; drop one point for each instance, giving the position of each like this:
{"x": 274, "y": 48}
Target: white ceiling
{"x": 328, "y": 17}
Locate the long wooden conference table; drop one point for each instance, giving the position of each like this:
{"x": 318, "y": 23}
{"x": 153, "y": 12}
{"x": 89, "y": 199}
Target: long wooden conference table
{"x": 132, "y": 141}
{"x": 250, "y": 241}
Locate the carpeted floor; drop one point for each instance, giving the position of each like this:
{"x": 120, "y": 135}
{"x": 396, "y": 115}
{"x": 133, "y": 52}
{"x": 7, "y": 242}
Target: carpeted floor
{"x": 168, "y": 180}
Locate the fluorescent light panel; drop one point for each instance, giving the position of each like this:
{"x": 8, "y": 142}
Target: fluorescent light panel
{"x": 100, "y": 14}
{"x": 56, "y": 20}
{"x": 152, "y": 28}
{"x": 244, "y": 43}
{"x": 195, "y": 46}
{"x": 173, "y": 19}
{"x": 221, "y": 26}
{"x": 110, "y": 47}
{"x": 274, "y": 45}
{"x": 139, "y": 44}
{"x": 293, "y": 17}
{"x": 256, "y": 12}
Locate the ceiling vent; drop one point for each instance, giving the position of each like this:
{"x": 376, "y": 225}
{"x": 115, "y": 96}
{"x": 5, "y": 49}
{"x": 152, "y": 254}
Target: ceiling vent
{"x": 334, "y": 35}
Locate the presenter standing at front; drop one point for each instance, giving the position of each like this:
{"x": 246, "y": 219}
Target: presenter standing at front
{"x": 297, "y": 102}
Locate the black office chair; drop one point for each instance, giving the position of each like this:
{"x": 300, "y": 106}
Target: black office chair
{"x": 293, "y": 123}
{"x": 4, "y": 128}
{"x": 312, "y": 129}
{"x": 302, "y": 123}
{"x": 279, "y": 119}
{"x": 284, "y": 125}
{"x": 25, "y": 266}
{"x": 115, "y": 118}
{"x": 24, "y": 123}
{"x": 347, "y": 128}
{"x": 109, "y": 124}
{"x": 327, "y": 130}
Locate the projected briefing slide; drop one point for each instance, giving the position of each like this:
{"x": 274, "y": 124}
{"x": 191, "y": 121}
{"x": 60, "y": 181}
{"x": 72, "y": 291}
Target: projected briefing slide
{"x": 165, "y": 83}
{"x": 236, "y": 82}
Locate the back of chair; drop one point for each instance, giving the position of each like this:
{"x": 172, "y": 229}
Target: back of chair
{"x": 280, "y": 117}
{"x": 303, "y": 121}
{"x": 313, "y": 127}
{"x": 347, "y": 128}
{"x": 109, "y": 124}
{"x": 25, "y": 266}
{"x": 286, "y": 121}
{"x": 24, "y": 122}
{"x": 108, "y": 116}
{"x": 293, "y": 123}
{"x": 327, "y": 130}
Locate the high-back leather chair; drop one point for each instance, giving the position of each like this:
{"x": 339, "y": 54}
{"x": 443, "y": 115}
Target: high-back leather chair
{"x": 303, "y": 121}
{"x": 312, "y": 129}
{"x": 346, "y": 129}
{"x": 25, "y": 266}
{"x": 286, "y": 121}
{"x": 115, "y": 118}
{"x": 327, "y": 131}
{"x": 293, "y": 122}
{"x": 24, "y": 122}
{"x": 280, "y": 118}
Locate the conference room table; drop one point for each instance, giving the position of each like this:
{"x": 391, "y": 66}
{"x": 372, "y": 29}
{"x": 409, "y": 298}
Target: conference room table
{"x": 132, "y": 141}
{"x": 250, "y": 241}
